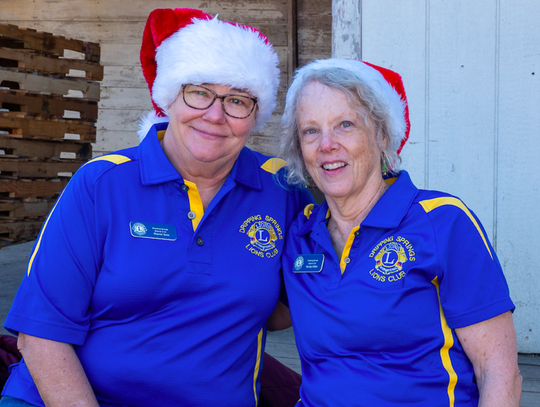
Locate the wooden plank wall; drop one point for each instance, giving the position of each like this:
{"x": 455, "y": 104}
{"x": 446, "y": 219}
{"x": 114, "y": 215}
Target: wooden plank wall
{"x": 117, "y": 26}
{"x": 472, "y": 76}
{"x": 314, "y": 24}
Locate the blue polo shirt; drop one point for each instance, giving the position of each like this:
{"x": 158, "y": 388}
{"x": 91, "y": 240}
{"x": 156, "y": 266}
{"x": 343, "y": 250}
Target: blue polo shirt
{"x": 164, "y": 302}
{"x": 376, "y": 326}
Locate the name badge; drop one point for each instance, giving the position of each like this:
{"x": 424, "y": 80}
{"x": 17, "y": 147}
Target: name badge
{"x": 152, "y": 231}
{"x": 308, "y": 263}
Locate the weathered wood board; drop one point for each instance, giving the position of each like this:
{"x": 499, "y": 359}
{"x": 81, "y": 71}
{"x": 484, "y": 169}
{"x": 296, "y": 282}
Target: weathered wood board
{"x": 18, "y": 209}
{"x": 48, "y": 84}
{"x": 48, "y": 43}
{"x": 19, "y": 231}
{"x": 31, "y": 61}
{"x": 12, "y": 168}
{"x": 47, "y": 106}
{"x": 30, "y": 127}
{"x": 22, "y": 148}
{"x": 31, "y": 189}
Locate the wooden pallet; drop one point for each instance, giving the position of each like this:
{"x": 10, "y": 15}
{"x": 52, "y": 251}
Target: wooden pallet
{"x": 15, "y": 169}
{"x": 11, "y": 232}
{"x": 19, "y": 125}
{"x": 20, "y": 79}
{"x": 17, "y": 209}
{"x": 47, "y": 106}
{"x": 48, "y": 114}
{"x": 29, "y": 60}
{"x": 27, "y": 38}
{"x": 31, "y": 189}
{"x": 44, "y": 150}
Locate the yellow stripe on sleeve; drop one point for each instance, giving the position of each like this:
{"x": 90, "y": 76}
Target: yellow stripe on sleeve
{"x": 347, "y": 249}
{"x": 435, "y": 203}
{"x": 257, "y": 364}
{"x": 445, "y": 350}
{"x": 113, "y": 158}
{"x": 273, "y": 165}
{"x": 38, "y": 244}
{"x": 195, "y": 203}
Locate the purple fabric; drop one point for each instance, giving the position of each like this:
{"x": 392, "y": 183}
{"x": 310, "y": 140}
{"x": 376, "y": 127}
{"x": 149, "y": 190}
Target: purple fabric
{"x": 9, "y": 354}
{"x": 280, "y": 385}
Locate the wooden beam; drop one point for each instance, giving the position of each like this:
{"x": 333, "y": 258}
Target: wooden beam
{"x": 20, "y": 209}
{"x": 50, "y": 65}
{"x": 41, "y": 150}
{"x": 32, "y": 189}
{"x": 347, "y": 29}
{"x": 292, "y": 40}
{"x": 14, "y": 168}
{"x": 52, "y": 44}
{"x": 47, "y": 106}
{"x": 17, "y": 231}
{"x": 47, "y": 84}
{"x": 27, "y": 127}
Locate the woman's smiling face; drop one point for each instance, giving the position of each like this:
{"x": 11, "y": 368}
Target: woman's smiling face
{"x": 338, "y": 145}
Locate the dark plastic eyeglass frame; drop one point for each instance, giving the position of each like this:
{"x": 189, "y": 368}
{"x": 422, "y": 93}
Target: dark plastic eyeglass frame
{"x": 216, "y": 96}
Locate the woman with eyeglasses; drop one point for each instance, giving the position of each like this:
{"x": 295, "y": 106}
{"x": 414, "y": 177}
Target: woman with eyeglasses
{"x": 154, "y": 276}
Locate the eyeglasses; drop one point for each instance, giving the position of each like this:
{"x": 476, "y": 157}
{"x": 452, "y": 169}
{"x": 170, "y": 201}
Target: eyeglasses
{"x": 201, "y": 98}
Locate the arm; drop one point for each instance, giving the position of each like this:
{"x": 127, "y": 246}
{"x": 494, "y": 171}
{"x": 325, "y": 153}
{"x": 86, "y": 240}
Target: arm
{"x": 280, "y": 318}
{"x": 491, "y": 347}
{"x": 57, "y": 372}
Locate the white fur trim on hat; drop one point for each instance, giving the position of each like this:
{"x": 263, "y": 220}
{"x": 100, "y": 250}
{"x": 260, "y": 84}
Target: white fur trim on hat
{"x": 147, "y": 121}
{"x": 383, "y": 91}
{"x": 216, "y": 52}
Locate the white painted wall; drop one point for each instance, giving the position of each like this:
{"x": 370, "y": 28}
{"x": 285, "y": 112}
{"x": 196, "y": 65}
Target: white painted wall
{"x": 472, "y": 74}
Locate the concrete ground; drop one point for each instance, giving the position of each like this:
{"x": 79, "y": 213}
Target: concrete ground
{"x": 280, "y": 344}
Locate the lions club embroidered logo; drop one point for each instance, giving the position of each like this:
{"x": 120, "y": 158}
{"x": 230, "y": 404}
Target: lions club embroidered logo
{"x": 390, "y": 255}
{"x": 390, "y": 258}
{"x": 263, "y": 232}
{"x": 139, "y": 229}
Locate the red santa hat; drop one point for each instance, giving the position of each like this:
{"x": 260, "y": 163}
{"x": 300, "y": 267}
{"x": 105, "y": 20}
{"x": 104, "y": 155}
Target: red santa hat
{"x": 183, "y": 46}
{"x": 386, "y": 85}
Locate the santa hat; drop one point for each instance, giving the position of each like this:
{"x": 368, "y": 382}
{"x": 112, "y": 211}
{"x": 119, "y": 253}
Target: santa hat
{"x": 188, "y": 46}
{"x": 386, "y": 85}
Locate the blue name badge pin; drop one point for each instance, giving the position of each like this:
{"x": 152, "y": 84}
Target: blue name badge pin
{"x": 308, "y": 263}
{"x": 152, "y": 231}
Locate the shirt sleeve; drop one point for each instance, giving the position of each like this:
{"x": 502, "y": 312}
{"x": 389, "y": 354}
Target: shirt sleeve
{"x": 53, "y": 299}
{"x": 472, "y": 285}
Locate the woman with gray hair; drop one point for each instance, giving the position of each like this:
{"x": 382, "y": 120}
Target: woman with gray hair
{"x": 395, "y": 293}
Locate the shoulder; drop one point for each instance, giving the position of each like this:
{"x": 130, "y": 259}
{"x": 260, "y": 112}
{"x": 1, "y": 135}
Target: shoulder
{"x": 452, "y": 220}
{"x": 266, "y": 163}
{"x": 101, "y": 165}
{"x": 272, "y": 171}
{"x": 442, "y": 205}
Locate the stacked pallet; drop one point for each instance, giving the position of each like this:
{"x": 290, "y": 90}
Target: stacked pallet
{"x": 49, "y": 93}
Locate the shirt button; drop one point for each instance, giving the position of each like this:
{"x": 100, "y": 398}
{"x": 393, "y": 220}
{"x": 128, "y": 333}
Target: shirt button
{"x": 200, "y": 241}
{"x": 184, "y": 188}
{"x": 357, "y": 233}
{"x": 191, "y": 215}
{"x": 347, "y": 260}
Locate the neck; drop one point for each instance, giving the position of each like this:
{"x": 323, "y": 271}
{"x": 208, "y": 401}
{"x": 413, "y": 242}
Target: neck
{"x": 348, "y": 212}
{"x": 209, "y": 177}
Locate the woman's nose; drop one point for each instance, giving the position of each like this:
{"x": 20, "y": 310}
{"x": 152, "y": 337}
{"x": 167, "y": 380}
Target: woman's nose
{"x": 327, "y": 141}
{"x": 215, "y": 113}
